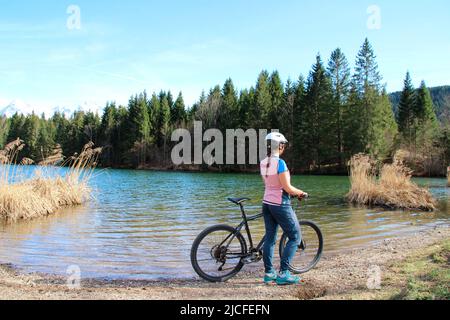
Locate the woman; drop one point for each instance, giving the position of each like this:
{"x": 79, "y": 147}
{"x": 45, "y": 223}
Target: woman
{"x": 277, "y": 210}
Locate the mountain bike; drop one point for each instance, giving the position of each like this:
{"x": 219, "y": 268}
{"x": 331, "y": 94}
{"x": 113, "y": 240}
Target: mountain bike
{"x": 220, "y": 252}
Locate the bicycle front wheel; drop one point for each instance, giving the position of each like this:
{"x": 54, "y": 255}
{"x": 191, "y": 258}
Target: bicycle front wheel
{"x": 217, "y": 253}
{"x": 310, "y": 250}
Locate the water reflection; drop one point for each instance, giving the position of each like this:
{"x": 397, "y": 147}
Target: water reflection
{"x": 142, "y": 224}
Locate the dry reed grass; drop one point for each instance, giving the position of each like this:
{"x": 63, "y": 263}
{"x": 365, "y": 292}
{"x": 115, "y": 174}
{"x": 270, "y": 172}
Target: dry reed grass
{"x": 55, "y": 158}
{"x": 40, "y": 195}
{"x": 393, "y": 188}
{"x": 26, "y": 162}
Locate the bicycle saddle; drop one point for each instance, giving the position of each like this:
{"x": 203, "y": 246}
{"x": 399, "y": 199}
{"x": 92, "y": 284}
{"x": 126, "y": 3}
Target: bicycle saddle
{"x": 238, "y": 201}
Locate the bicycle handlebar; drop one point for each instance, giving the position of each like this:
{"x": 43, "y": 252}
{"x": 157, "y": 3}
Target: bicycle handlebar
{"x": 307, "y": 196}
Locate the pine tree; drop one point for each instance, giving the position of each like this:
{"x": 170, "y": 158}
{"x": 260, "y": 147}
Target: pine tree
{"x": 120, "y": 134}
{"x": 139, "y": 127}
{"x": 406, "y": 112}
{"x": 262, "y": 105}
{"x": 170, "y": 101}
{"x": 4, "y": 130}
{"x": 339, "y": 73}
{"x": 297, "y": 123}
{"x": 318, "y": 123}
{"x": 367, "y": 75}
{"x": 229, "y": 108}
{"x": 16, "y": 127}
{"x": 287, "y": 111}
{"x": 367, "y": 80}
{"x": 427, "y": 124}
{"x": 61, "y": 125}
{"x": 154, "y": 112}
{"x": 276, "y": 114}
{"x": 179, "y": 111}
{"x": 108, "y": 128}
{"x": 193, "y": 111}
{"x": 209, "y": 109}
{"x": 246, "y": 103}
{"x": 45, "y": 142}
{"x": 91, "y": 123}
{"x": 425, "y": 110}
{"x": 354, "y": 131}
{"x": 164, "y": 120}
{"x": 384, "y": 128}
{"x": 287, "y": 118}
{"x": 30, "y": 137}
{"x": 75, "y": 137}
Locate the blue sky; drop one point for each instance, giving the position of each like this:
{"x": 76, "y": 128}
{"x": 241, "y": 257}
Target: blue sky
{"x": 124, "y": 47}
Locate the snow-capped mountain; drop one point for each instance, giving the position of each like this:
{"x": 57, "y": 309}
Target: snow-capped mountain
{"x": 63, "y": 110}
{"x": 16, "y": 106}
{"x": 19, "y": 106}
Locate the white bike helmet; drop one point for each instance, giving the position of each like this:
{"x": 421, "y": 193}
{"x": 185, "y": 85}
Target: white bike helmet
{"x": 276, "y": 137}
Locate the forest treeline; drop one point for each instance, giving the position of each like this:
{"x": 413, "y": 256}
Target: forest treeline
{"x": 333, "y": 113}
{"x": 441, "y": 100}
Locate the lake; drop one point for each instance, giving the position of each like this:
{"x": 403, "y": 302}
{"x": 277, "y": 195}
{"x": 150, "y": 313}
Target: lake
{"x": 141, "y": 224}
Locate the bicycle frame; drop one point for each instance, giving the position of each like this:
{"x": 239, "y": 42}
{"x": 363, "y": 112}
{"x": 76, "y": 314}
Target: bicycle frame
{"x": 244, "y": 250}
{"x": 243, "y": 224}
{"x": 238, "y": 229}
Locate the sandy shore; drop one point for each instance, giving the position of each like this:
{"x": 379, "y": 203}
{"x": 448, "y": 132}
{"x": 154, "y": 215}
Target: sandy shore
{"x": 338, "y": 277}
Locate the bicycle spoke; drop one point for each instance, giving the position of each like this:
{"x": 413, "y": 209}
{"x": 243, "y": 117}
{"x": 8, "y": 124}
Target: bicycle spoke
{"x": 306, "y": 258}
{"x": 219, "y": 253}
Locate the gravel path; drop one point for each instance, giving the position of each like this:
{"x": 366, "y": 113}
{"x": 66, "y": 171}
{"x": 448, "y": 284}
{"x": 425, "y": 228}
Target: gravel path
{"x": 335, "y": 277}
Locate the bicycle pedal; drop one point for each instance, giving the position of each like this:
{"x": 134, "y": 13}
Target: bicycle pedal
{"x": 252, "y": 259}
{"x": 248, "y": 260}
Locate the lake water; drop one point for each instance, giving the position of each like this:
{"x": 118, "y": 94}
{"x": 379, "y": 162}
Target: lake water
{"x": 141, "y": 224}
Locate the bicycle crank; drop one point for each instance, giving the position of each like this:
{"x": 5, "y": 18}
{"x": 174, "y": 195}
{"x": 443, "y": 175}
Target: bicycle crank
{"x": 253, "y": 258}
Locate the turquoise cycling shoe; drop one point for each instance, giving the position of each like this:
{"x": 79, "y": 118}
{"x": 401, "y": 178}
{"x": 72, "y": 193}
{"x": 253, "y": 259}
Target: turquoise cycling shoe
{"x": 270, "y": 277}
{"x": 285, "y": 279}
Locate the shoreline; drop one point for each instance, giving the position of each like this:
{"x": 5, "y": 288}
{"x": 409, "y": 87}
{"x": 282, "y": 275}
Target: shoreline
{"x": 250, "y": 171}
{"x": 234, "y": 171}
{"x": 340, "y": 276}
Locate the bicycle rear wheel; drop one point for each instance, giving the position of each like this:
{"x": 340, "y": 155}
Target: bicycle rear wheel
{"x": 217, "y": 253}
{"x": 310, "y": 250}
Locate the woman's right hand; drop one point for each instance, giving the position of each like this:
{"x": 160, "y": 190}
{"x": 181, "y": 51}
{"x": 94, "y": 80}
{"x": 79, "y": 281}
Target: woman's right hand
{"x": 303, "y": 195}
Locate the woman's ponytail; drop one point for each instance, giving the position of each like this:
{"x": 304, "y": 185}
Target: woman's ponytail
{"x": 269, "y": 156}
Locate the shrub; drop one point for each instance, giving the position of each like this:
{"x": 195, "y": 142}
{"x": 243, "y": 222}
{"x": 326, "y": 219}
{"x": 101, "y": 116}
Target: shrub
{"x": 390, "y": 187}
{"x": 22, "y": 198}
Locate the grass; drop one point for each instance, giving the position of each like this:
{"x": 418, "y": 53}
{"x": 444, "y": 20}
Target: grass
{"x": 427, "y": 278}
{"x": 390, "y": 187}
{"x": 23, "y": 199}
{"x": 423, "y": 276}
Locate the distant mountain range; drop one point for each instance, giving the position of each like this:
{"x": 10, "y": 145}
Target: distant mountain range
{"x": 15, "y": 106}
{"x": 19, "y": 106}
{"x": 441, "y": 100}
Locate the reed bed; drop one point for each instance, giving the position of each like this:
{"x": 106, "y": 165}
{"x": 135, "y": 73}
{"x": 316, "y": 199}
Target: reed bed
{"x": 390, "y": 187}
{"x": 23, "y": 199}
{"x": 55, "y": 158}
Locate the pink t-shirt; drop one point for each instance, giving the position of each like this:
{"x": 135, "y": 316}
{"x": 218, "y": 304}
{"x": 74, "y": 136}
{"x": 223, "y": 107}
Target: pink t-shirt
{"x": 271, "y": 168}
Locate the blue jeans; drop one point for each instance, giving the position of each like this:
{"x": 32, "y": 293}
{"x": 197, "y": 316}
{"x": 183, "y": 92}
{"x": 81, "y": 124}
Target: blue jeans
{"x": 284, "y": 217}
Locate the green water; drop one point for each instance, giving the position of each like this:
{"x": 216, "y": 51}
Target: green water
{"x": 142, "y": 224}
